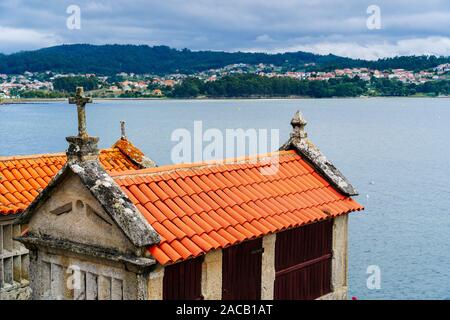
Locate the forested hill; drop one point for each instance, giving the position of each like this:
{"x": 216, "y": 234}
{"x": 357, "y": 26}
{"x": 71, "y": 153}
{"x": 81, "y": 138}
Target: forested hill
{"x": 112, "y": 59}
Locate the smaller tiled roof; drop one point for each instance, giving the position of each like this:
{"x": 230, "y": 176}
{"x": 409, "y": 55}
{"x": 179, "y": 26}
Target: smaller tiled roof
{"x": 196, "y": 208}
{"x": 133, "y": 153}
{"x": 23, "y": 177}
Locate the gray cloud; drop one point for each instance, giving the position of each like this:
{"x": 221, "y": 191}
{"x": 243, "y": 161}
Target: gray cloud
{"x": 323, "y": 26}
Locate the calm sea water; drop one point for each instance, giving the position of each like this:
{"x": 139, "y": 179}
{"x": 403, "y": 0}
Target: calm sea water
{"x": 395, "y": 151}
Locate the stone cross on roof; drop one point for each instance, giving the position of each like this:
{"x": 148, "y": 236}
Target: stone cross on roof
{"x": 81, "y": 147}
{"x": 80, "y": 100}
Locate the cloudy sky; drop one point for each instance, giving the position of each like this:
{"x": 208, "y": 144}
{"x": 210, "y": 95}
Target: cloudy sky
{"x": 321, "y": 26}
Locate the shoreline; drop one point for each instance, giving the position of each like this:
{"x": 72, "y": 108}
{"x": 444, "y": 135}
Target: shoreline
{"x": 50, "y": 100}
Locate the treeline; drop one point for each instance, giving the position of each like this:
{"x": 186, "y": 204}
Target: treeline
{"x": 249, "y": 85}
{"x": 41, "y": 94}
{"x": 69, "y": 84}
{"x": 113, "y": 59}
{"x": 412, "y": 63}
{"x": 386, "y": 87}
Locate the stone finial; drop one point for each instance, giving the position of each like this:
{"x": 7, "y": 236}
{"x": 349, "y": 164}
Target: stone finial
{"x": 123, "y": 134}
{"x": 299, "y": 123}
{"x": 81, "y": 147}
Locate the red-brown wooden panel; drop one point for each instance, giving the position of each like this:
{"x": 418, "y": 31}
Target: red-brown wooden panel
{"x": 182, "y": 281}
{"x": 241, "y": 271}
{"x": 303, "y": 262}
{"x": 307, "y": 283}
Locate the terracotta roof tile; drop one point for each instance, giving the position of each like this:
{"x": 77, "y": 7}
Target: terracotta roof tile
{"x": 200, "y": 207}
{"x": 159, "y": 255}
{"x": 221, "y": 240}
{"x": 194, "y": 249}
{"x": 210, "y": 240}
{"x": 194, "y": 226}
{"x": 202, "y": 223}
{"x": 201, "y": 243}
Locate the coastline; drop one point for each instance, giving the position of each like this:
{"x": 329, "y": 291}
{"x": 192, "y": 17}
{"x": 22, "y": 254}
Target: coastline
{"x": 51, "y": 100}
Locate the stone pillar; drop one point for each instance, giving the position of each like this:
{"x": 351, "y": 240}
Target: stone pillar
{"x": 339, "y": 262}
{"x": 212, "y": 276}
{"x": 142, "y": 286}
{"x": 82, "y": 149}
{"x": 155, "y": 283}
{"x": 34, "y": 273}
{"x": 123, "y": 134}
{"x": 268, "y": 267}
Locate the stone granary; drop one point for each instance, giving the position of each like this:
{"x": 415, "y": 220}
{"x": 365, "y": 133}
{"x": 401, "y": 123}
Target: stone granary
{"x": 21, "y": 180}
{"x": 214, "y": 230}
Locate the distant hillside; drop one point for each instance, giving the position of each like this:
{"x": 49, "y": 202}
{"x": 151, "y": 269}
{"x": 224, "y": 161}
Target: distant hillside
{"x": 112, "y": 59}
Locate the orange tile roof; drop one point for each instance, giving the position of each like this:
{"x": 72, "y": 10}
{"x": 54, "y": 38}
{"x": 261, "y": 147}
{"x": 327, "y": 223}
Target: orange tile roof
{"x": 196, "y": 208}
{"x": 23, "y": 177}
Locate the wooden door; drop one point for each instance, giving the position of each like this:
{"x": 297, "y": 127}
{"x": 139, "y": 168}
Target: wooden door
{"x": 182, "y": 281}
{"x": 303, "y": 262}
{"x": 241, "y": 271}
